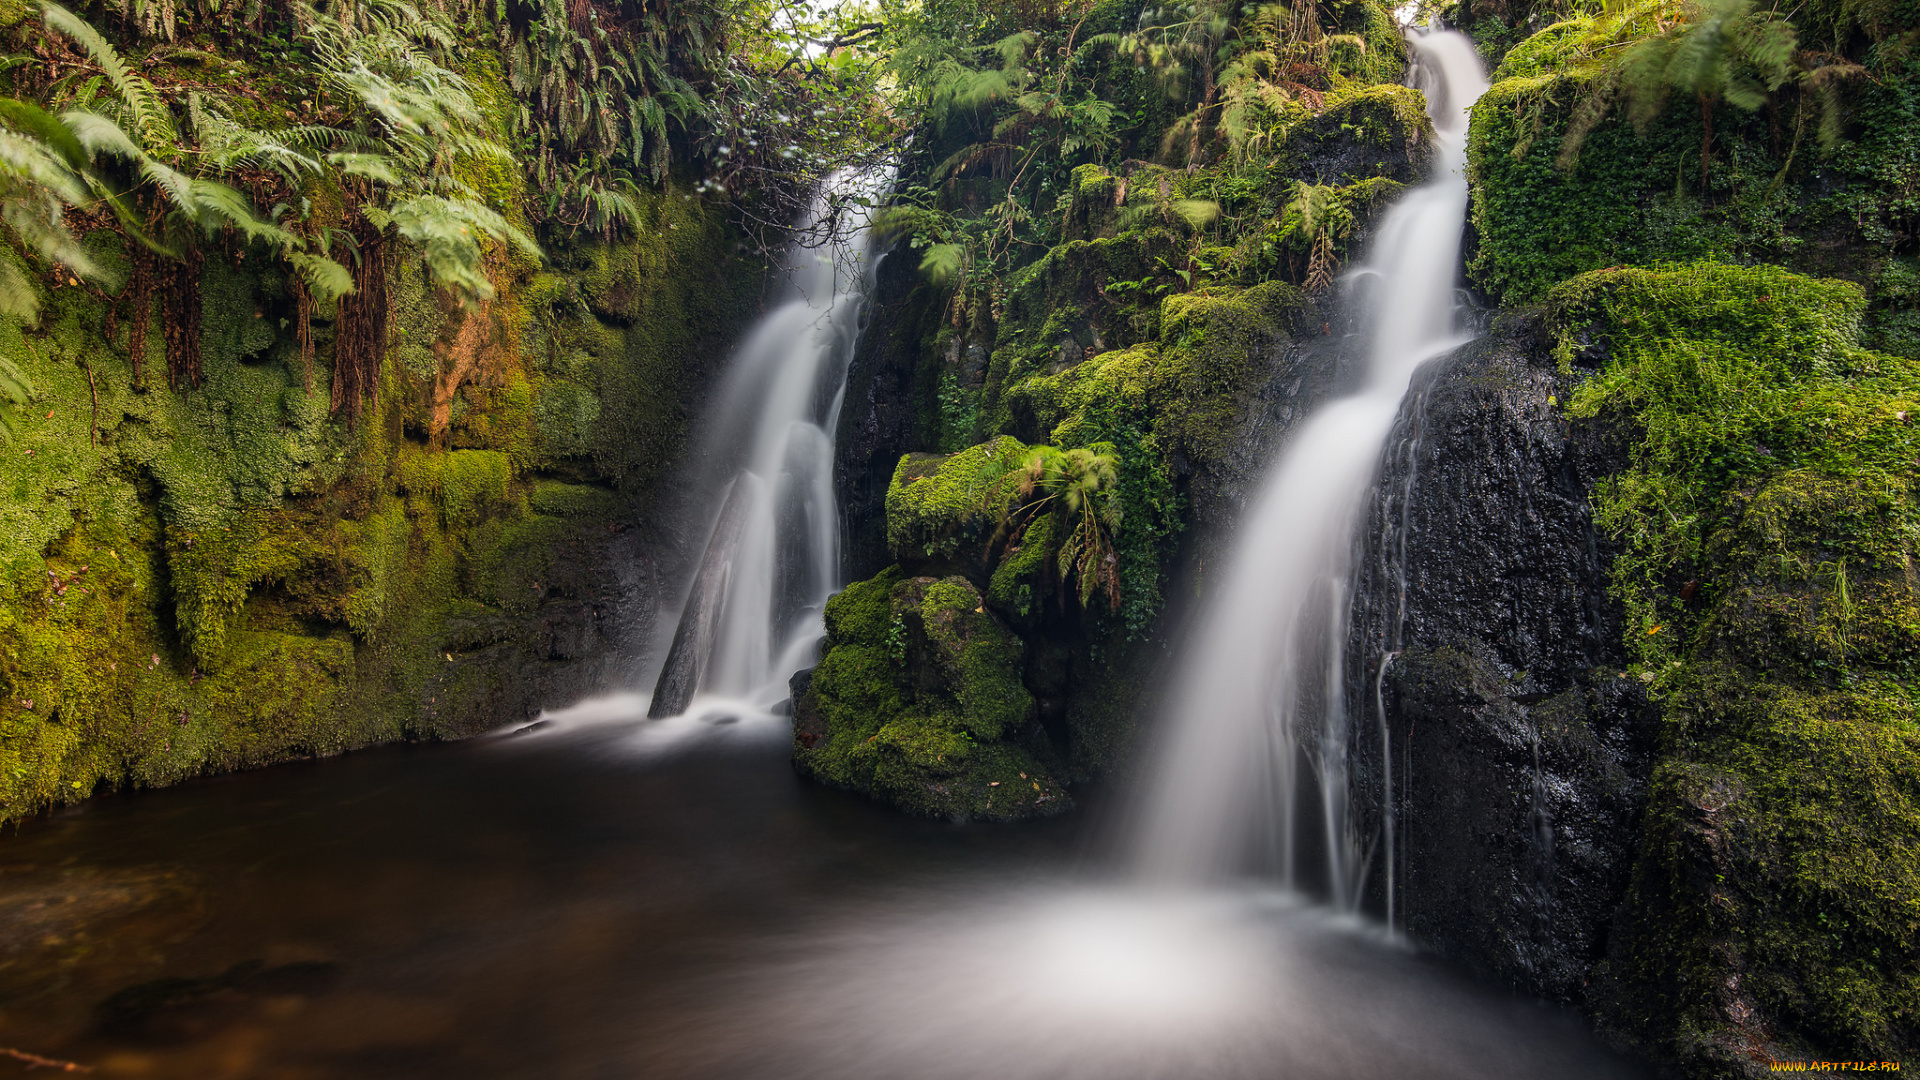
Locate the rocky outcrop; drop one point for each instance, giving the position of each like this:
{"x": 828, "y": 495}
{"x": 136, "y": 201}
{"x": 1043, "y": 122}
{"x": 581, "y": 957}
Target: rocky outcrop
{"x": 1520, "y": 751}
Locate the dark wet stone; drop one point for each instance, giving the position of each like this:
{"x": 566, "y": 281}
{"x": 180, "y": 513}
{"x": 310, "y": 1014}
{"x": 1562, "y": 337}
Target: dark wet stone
{"x": 693, "y": 638}
{"x": 1520, "y": 752}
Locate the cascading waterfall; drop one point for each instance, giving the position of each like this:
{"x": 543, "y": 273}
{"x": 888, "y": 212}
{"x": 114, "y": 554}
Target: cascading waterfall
{"x": 1259, "y": 698}
{"x": 772, "y": 556}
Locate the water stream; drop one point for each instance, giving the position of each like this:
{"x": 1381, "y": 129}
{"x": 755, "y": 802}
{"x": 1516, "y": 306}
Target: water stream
{"x": 1253, "y": 771}
{"x": 751, "y": 613}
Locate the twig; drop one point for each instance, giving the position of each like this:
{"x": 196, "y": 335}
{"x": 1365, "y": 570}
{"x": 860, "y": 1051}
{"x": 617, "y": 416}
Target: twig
{"x": 38, "y": 1062}
{"x": 93, "y": 433}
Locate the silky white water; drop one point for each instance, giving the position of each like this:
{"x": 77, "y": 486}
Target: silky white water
{"x": 751, "y": 616}
{"x": 1257, "y": 734}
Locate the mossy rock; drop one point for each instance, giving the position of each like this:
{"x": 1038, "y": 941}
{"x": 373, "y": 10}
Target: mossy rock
{"x": 918, "y": 701}
{"x": 223, "y": 576}
{"x": 1768, "y": 521}
{"x": 1775, "y": 912}
{"x": 1213, "y": 348}
{"x": 1546, "y": 52}
{"x": 945, "y": 508}
{"x": 1378, "y": 130}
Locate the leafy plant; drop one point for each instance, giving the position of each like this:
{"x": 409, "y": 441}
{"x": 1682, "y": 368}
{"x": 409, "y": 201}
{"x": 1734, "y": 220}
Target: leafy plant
{"x": 15, "y": 390}
{"x": 1715, "y": 51}
{"x": 1080, "y": 489}
{"x": 39, "y": 178}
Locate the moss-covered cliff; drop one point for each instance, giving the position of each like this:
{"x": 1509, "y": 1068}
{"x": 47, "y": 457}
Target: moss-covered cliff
{"x": 318, "y": 448}
{"x": 228, "y": 576}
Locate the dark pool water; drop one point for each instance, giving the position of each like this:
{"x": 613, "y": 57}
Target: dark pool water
{"x": 621, "y": 900}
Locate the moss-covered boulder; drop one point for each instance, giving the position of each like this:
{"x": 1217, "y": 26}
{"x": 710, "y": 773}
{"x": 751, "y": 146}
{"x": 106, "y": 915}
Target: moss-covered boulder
{"x": 918, "y": 701}
{"x": 944, "y": 510}
{"x": 1767, "y": 515}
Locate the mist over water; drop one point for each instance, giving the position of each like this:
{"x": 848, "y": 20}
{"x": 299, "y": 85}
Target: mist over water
{"x": 576, "y": 905}
{"x": 1254, "y": 753}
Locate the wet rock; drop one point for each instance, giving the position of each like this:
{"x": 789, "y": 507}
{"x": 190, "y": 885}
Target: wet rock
{"x": 1520, "y": 753}
{"x": 693, "y": 637}
{"x": 878, "y": 411}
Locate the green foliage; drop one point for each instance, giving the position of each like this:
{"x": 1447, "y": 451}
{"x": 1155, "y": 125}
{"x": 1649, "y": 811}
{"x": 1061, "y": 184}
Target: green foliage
{"x": 15, "y": 391}
{"x": 1079, "y": 489}
{"x": 41, "y": 165}
{"x": 1635, "y": 198}
{"x": 1731, "y": 375}
{"x": 423, "y": 119}
{"x": 1769, "y": 524}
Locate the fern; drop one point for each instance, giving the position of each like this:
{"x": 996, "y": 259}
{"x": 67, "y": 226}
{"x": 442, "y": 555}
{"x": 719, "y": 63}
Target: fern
{"x": 15, "y": 391}
{"x": 1080, "y": 489}
{"x": 37, "y": 184}
{"x": 148, "y": 119}
{"x": 447, "y": 233}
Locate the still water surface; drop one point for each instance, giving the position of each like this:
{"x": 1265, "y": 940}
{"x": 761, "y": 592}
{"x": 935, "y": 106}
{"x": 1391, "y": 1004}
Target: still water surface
{"x": 616, "y": 898}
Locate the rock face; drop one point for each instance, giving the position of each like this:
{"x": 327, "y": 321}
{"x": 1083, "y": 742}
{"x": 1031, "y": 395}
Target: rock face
{"x": 275, "y": 582}
{"x": 693, "y": 638}
{"x": 1520, "y": 753}
{"x": 877, "y": 413}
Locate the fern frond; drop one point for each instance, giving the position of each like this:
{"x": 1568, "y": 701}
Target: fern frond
{"x": 215, "y": 205}
{"x": 15, "y": 388}
{"x": 448, "y": 234}
{"x": 326, "y": 280}
{"x": 151, "y": 121}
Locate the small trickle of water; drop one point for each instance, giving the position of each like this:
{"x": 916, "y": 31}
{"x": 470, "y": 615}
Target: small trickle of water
{"x": 1256, "y": 740}
{"x": 751, "y": 614}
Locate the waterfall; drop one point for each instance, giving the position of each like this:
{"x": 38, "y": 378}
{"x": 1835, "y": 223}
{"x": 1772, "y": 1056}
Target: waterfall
{"x": 771, "y": 559}
{"x": 1254, "y": 763}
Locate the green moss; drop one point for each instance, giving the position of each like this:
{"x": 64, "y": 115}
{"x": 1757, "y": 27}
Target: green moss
{"x": 948, "y": 506}
{"x": 1024, "y": 576}
{"x": 1211, "y": 346}
{"x": 1546, "y": 52}
{"x": 1383, "y": 114}
{"x": 1638, "y": 196}
{"x": 1733, "y": 375}
{"x": 472, "y": 482}
{"x": 573, "y": 500}
{"x": 863, "y": 611}
{"x": 627, "y": 320}
{"x": 1537, "y": 225}
{"x": 977, "y": 659}
{"x": 1380, "y": 55}
{"x": 1769, "y": 522}
{"x": 918, "y": 701}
